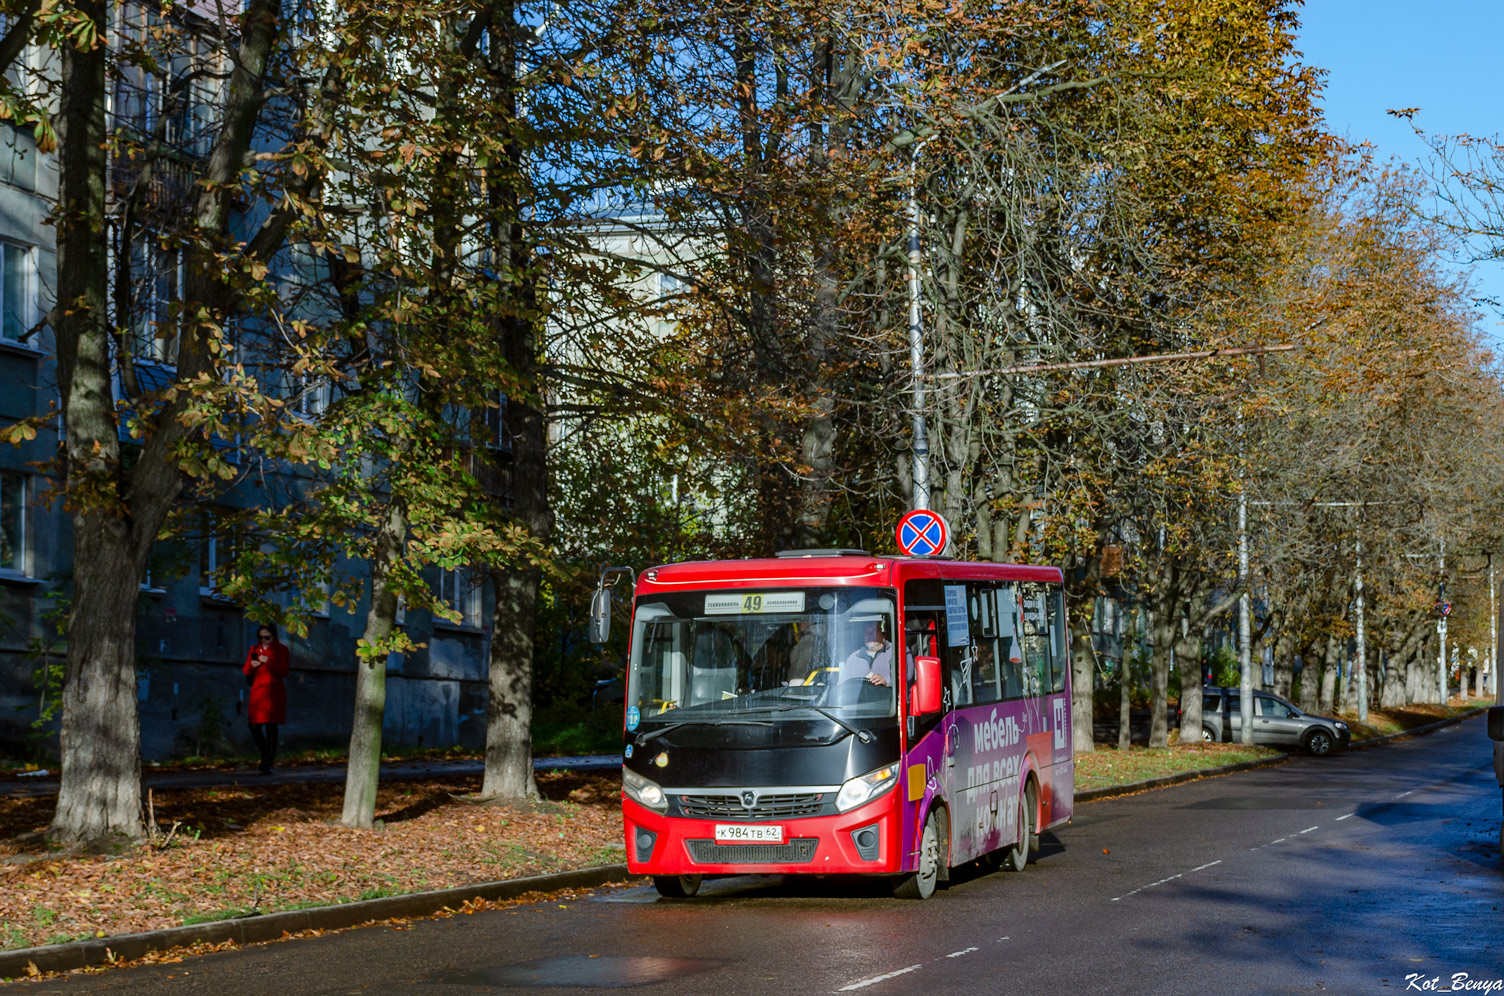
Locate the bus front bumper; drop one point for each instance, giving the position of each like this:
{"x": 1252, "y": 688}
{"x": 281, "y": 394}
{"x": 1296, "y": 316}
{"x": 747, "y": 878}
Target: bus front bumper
{"x": 866, "y": 840}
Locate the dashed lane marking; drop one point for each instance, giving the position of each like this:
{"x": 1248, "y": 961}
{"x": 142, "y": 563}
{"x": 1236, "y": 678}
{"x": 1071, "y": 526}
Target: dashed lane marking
{"x": 879, "y": 978}
{"x": 1347, "y": 817}
{"x": 957, "y": 954}
{"x": 1164, "y": 880}
{"x": 1309, "y": 829}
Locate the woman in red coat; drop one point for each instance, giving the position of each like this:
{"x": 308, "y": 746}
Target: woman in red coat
{"x": 265, "y": 667}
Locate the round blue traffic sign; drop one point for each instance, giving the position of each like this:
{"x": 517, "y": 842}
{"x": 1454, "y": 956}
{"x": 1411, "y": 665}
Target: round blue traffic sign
{"x": 922, "y": 533}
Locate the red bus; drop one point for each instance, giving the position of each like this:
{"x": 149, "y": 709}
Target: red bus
{"x": 834, "y": 712}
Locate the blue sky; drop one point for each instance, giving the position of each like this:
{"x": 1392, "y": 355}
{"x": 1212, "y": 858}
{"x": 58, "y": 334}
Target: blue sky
{"x": 1443, "y": 57}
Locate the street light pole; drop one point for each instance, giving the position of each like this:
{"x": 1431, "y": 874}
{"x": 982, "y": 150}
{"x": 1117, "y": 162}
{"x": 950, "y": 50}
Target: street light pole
{"x": 921, "y": 453}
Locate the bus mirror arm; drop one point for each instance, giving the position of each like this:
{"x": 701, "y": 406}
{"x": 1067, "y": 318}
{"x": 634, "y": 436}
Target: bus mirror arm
{"x": 924, "y": 697}
{"x": 599, "y": 629}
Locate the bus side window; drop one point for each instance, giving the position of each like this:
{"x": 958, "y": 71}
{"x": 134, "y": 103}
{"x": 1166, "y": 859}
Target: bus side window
{"x": 983, "y": 645}
{"x": 1036, "y": 640}
{"x": 1059, "y": 660}
{"x": 1010, "y": 651}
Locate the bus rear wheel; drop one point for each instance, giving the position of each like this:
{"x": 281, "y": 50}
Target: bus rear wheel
{"x": 921, "y": 884}
{"x": 1015, "y": 858}
{"x": 676, "y": 886}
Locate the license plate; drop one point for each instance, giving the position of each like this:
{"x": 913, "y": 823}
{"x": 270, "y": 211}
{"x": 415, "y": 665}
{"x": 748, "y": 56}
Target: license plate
{"x": 741, "y": 833}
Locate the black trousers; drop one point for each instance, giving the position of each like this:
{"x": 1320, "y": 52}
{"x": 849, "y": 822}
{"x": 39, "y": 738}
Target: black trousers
{"x": 265, "y": 735}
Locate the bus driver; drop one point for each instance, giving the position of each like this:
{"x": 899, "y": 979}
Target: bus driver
{"x": 873, "y": 661}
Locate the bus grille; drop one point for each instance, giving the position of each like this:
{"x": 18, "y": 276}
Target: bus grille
{"x": 799, "y": 851}
{"x": 769, "y": 807}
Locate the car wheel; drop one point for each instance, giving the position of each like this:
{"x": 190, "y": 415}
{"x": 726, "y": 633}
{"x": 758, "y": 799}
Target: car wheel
{"x": 1319, "y": 742}
{"x": 921, "y": 884}
{"x": 676, "y": 886}
{"x": 1207, "y": 735}
{"x": 1016, "y": 858}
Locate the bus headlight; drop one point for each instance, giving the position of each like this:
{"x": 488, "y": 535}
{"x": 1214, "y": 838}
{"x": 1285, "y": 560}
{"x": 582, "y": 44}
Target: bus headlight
{"x": 863, "y": 789}
{"x": 643, "y": 790}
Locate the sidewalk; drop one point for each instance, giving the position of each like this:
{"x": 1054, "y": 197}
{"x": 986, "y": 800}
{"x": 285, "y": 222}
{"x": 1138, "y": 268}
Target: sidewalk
{"x": 309, "y": 774}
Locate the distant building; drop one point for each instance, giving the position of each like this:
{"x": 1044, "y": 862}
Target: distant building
{"x": 190, "y": 641}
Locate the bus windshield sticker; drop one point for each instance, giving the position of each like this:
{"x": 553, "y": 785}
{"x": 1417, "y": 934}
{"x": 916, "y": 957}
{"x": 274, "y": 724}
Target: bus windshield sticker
{"x": 956, "y": 629}
{"x": 752, "y": 602}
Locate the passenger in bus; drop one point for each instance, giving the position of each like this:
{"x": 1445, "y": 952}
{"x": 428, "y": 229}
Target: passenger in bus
{"x": 810, "y": 655}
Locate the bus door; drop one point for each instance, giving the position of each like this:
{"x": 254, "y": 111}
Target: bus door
{"x": 1047, "y": 721}
{"x": 930, "y": 758}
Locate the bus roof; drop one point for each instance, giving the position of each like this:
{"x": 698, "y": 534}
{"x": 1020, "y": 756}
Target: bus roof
{"x": 833, "y": 570}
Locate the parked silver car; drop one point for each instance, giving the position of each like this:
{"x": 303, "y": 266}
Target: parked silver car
{"x": 1276, "y": 722}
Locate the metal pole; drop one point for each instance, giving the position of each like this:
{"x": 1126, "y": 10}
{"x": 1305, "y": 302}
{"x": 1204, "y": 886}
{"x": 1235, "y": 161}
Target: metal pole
{"x": 921, "y": 467}
{"x": 1245, "y": 625}
{"x": 1360, "y": 667}
{"x": 1493, "y": 627}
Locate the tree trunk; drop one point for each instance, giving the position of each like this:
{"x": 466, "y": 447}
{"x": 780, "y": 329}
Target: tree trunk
{"x": 1083, "y": 701}
{"x": 1159, "y": 678}
{"x": 1188, "y": 652}
{"x": 1125, "y": 692}
{"x": 1329, "y": 664}
{"x": 364, "y": 772}
{"x": 509, "y": 718}
{"x": 100, "y": 793}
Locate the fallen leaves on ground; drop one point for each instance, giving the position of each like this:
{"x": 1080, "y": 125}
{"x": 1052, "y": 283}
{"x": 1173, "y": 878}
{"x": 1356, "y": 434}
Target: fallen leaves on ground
{"x": 255, "y": 847}
{"x": 1107, "y": 766}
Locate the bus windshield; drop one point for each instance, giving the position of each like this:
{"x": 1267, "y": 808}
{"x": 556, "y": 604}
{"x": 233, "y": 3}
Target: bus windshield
{"x": 770, "y": 656}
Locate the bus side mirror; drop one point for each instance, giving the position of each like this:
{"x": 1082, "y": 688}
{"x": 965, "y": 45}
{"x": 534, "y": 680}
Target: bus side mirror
{"x": 924, "y": 697}
{"x": 600, "y": 615}
{"x": 1496, "y": 722}
{"x": 599, "y": 627}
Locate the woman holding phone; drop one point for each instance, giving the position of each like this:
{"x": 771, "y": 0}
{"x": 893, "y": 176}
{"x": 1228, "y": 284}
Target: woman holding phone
{"x": 266, "y": 665}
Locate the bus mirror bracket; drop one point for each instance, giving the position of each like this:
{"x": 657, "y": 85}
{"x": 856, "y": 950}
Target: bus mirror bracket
{"x": 924, "y": 697}
{"x": 599, "y": 629}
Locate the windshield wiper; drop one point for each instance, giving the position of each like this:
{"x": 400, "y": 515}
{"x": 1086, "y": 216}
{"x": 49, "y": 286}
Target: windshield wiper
{"x": 865, "y": 736}
{"x": 643, "y": 738}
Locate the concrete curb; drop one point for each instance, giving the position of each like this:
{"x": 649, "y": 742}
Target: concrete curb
{"x": 1390, "y": 738}
{"x": 270, "y": 926}
{"x": 1227, "y": 769}
{"x": 1176, "y": 779}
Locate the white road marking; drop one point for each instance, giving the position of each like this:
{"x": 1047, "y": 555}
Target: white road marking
{"x": 878, "y": 978}
{"x": 957, "y": 954}
{"x": 1403, "y": 794}
{"x": 1280, "y": 841}
{"x": 1347, "y": 817}
{"x": 1164, "y": 880}
{"x": 1309, "y": 829}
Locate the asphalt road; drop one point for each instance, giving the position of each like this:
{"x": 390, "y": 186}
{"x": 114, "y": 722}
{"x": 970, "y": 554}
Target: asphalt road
{"x": 1359, "y": 873}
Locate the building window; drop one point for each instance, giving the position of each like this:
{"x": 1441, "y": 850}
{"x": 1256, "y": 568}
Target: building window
{"x": 215, "y": 552}
{"x": 460, "y": 591}
{"x": 13, "y": 522}
{"x": 310, "y": 395}
{"x": 156, "y": 276}
{"x": 17, "y": 290}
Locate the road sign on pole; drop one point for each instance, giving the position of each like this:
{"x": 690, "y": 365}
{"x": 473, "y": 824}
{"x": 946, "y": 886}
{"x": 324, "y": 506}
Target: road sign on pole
{"x": 922, "y": 533}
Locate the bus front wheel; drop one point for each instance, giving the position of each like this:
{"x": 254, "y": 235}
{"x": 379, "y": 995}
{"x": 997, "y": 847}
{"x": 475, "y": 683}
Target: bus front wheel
{"x": 921, "y": 884}
{"x": 676, "y": 886}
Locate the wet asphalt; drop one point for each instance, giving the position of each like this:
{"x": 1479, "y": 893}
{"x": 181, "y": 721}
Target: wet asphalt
{"x": 1368, "y": 872}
